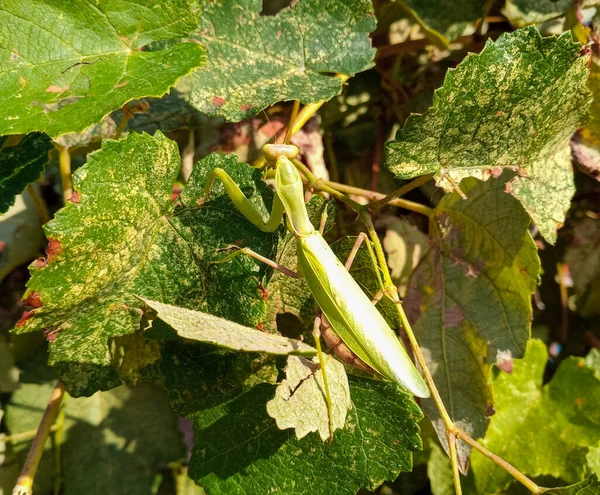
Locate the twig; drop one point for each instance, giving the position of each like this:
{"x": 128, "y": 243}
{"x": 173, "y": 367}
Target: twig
{"x": 414, "y": 45}
{"x": 40, "y": 206}
{"x": 454, "y": 461}
{"x": 524, "y": 480}
{"x": 25, "y": 482}
{"x": 375, "y": 205}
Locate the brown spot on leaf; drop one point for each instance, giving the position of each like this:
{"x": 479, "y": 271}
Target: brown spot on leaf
{"x": 2, "y": 246}
{"x": 34, "y": 299}
{"x": 54, "y": 249}
{"x": 218, "y": 101}
{"x": 75, "y": 198}
{"x": 499, "y": 113}
{"x": 22, "y": 81}
{"x": 120, "y": 85}
{"x": 245, "y": 107}
{"x": 175, "y": 192}
{"x": 56, "y": 89}
{"x": 508, "y": 188}
{"x": 495, "y": 172}
{"x": 506, "y": 365}
{"x": 454, "y": 316}
{"x": 260, "y": 327}
{"x": 40, "y": 263}
{"x": 579, "y": 401}
{"x": 24, "y": 317}
{"x": 490, "y": 411}
{"x": 278, "y": 35}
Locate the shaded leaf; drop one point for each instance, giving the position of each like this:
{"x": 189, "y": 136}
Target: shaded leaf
{"x": 551, "y": 427}
{"x": 20, "y": 165}
{"x": 81, "y": 75}
{"x": 469, "y": 299}
{"x": 445, "y": 20}
{"x": 126, "y": 427}
{"x": 9, "y": 374}
{"x": 276, "y": 58}
{"x": 583, "y": 258}
{"x": 123, "y": 237}
{"x": 300, "y": 403}
{"x": 524, "y": 12}
{"x": 239, "y": 448}
{"x": 206, "y": 328}
{"x": 514, "y": 105}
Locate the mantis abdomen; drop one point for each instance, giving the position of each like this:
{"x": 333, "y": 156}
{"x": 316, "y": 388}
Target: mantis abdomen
{"x": 365, "y": 332}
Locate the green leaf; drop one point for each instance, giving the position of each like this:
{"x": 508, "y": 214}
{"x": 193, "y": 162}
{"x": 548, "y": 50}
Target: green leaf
{"x": 300, "y": 403}
{"x": 21, "y": 164}
{"x": 206, "y": 328}
{"x": 514, "y": 105}
{"x": 239, "y": 448}
{"x": 445, "y": 20}
{"x": 524, "y": 12}
{"x": 583, "y": 258}
{"x": 560, "y": 421}
{"x": 288, "y": 56}
{"x": 121, "y": 236}
{"x": 589, "y": 486}
{"x": 469, "y": 299}
{"x": 128, "y": 427}
{"x": 68, "y": 64}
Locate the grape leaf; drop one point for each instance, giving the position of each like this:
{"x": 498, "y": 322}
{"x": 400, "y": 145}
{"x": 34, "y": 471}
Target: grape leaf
{"x": 514, "y": 105}
{"x": 469, "y": 299}
{"x": 551, "y": 427}
{"x": 589, "y": 486}
{"x": 239, "y": 449}
{"x": 443, "y": 20}
{"x": 204, "y": 327}
{"x": 68, "y": 64}
{"x": 20, "y": 165}
{"x": 524, "y": 12}
{"x": 288, "y": 56}
{"x": 131, "y": 427}
{"x": 300, "y": 403}
{"x": 121, "y": 236}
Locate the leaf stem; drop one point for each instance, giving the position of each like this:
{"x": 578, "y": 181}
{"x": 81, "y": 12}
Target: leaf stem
{"x": 64, "y": 159}
{"x": 524, "y": 480}
{"x": 375, "y": 196}
{"x": 40, "y": 206}
{"x": 23, "y": 436}
{"x": 25, "y": 482}
{"x": 454, "y": 461}
{"x": 401, "y": 191}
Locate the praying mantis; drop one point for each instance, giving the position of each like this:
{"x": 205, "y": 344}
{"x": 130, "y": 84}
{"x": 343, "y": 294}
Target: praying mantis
{"x": 352, "y": 326}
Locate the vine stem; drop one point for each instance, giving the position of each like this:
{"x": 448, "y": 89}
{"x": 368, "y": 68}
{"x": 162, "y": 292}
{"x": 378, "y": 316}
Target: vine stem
{"x": 64, "y": 160}
{"x": 25, "y": 482}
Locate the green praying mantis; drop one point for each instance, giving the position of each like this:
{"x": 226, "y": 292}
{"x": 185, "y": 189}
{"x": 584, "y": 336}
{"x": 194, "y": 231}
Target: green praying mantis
{"x": 351, "y": 324}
